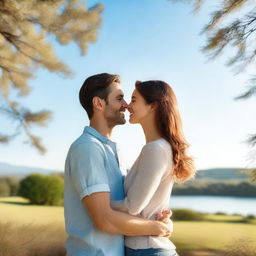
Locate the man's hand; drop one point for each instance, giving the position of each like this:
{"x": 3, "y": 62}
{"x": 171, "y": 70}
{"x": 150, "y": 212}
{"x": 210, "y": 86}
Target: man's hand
{"x": 164, "y": 229}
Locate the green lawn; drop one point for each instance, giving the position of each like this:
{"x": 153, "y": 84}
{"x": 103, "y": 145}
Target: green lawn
{"x": 17, "y": 210}
{"x": 216, "y": 233}
{"x": 209, "y": 235}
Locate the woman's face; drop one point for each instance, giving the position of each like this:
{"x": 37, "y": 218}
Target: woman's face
{"x": 138, "y": 108}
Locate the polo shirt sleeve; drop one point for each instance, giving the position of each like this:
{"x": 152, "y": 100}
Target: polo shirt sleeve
{"x": 87, "y": 169}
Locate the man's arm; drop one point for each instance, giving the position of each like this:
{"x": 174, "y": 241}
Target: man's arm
{"x": 119, "y": 205}
{"x": 108, "y": 220}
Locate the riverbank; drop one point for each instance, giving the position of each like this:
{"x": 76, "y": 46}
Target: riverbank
{"x": 213, "y": 204}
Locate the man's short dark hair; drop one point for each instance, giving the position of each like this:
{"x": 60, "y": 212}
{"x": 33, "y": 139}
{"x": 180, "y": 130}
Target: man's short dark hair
{"x": 97, "y": 85}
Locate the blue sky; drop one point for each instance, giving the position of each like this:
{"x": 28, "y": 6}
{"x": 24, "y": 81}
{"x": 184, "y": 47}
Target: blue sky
{"x": 142, "y": 40}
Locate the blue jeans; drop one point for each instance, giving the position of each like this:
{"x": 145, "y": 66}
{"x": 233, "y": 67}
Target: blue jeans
{"x": 150, "y": 252}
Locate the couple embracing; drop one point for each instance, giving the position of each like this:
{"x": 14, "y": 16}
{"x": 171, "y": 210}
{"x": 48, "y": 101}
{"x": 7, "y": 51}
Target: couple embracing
{"x": 106, "y": 213}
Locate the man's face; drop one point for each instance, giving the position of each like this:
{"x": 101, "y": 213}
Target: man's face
{"x": 115, "y": 106}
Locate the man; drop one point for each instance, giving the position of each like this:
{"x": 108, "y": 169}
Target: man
{"x": 93, "y": 178}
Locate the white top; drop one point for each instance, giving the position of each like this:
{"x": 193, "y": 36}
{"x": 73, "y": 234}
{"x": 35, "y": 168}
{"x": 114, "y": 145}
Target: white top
{"x": 148, "y": 186}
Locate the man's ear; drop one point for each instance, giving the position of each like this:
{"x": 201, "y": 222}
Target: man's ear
{"x": 98, "y": 103}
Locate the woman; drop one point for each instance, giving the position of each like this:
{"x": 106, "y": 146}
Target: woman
{"x": 162, "y": 161}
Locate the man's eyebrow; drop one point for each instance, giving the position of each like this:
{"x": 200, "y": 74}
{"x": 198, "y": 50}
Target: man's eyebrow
{"x": 133, "y": 97}
{"x": 120, "y": 95}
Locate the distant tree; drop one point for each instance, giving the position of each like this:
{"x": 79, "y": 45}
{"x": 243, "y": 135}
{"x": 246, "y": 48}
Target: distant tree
{"x": 25, "y": 26}
{"x": 13, "y": 183}
{"x": 53, "y": 190}
{"x": 233, "y": 25}
{"x": 187, "y": 215}
{"x": 42, "y": 190}
{"x": 9, "y": 186}
{"x": 4, "y": 189}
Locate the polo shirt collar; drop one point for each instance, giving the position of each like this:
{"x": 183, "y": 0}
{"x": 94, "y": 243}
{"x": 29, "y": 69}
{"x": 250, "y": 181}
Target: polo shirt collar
{"x": 96, "y": 134}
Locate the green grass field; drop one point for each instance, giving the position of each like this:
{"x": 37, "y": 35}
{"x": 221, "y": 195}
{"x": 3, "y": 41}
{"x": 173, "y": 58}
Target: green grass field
{"x": 17, "y": 210}
{"x": 217, "y": 232}
{"x": 211, "y": 236}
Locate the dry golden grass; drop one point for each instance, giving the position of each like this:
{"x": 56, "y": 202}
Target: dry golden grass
{"x": 241, "y": 247}
{"x": 29, "y": 230}
{"x": 29, "y": 240}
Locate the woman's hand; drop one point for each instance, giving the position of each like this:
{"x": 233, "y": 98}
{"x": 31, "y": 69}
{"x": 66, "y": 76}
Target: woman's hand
{"x": 164, "y": 216}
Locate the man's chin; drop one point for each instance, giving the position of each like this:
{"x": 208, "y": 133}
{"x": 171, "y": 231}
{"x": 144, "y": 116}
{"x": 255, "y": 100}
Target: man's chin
{"x": 123, "y": 121}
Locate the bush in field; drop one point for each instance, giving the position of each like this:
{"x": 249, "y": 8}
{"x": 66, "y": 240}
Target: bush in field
{"x": 9, "y": 186}
{"x": 13, "y": 185}
{"x": 185, "y": 214}
{"x": 221, "y": 213}
{"x": 42, "y": 190}
{"x": 4, "y": 189}
{"x": 250, "y": 217}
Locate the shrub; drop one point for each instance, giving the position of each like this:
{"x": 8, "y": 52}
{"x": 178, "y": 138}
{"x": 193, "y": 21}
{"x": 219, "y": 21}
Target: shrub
{"x": 221, "y": 213}
{"x": 13, "y": 185}
{"x": 236, "y": 214}
{"x": 42, "y": 190}
{"x": 4, "y": 189}
{"x": 185, "y": 214}
{"x": 250, "y": 217}
{"x": 8, "y": 186}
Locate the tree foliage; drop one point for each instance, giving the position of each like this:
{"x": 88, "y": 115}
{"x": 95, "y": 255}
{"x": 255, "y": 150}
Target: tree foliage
{"x": 25, "y": 26}
{"x": 232, "y": 25}
{"x": 42, "y": 190}
{"x": 4, "y": 189}
{"x": 217, "y": 188}
{"x": 9, "y": 186}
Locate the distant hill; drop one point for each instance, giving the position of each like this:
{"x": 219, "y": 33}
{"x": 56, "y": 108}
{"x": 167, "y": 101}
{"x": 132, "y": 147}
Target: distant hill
{"x": 211, "y": 174}
{"x": 223, "y": 174}
{"x": 22, "y": 171}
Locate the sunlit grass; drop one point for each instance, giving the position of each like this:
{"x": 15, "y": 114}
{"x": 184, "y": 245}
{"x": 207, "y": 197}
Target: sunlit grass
{"x": 41, "y": 228}
{"x": 17, "y": 210}
{"x": 228, "y": 218}
{"x": 211, "y": 235}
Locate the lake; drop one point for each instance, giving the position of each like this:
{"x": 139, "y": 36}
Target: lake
{"x": 213, "y": 204}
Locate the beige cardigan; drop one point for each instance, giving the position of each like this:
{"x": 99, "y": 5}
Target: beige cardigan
{"x": 148, "y": 186}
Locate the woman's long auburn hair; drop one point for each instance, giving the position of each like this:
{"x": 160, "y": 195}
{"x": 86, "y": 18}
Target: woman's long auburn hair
{"x": 169, "y": 124}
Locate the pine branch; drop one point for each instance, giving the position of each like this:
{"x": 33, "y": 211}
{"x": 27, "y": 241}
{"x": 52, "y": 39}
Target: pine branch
{"x": 24, "y": 120}
{"x": 24, "y": 29}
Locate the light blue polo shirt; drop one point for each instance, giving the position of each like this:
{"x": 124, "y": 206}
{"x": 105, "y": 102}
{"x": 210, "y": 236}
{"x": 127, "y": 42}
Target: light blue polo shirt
{"x": 91, "y": 166}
